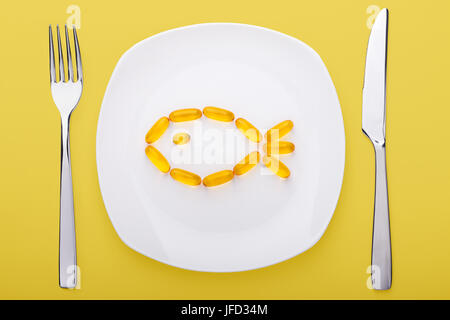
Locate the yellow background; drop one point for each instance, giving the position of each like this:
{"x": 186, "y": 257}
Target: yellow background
{"x": 418, "y": 135}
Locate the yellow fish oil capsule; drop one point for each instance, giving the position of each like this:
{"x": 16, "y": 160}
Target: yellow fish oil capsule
{"x": 181, "y": 138}
{"x": 218, "y": 114}
{"x": 278, "y": 147}
{"x": 157, "y": 130}
{"x": 246, "y": 164}
{"x": 218, "y": 178}
{"x": 248, "y": 130}
{"x": 277, "y": 167}
{"x": 280, "y": 130}
{"x": 157, "y": 159}
{"x": 185, "y": 115}
{"x": 185, "y": 177}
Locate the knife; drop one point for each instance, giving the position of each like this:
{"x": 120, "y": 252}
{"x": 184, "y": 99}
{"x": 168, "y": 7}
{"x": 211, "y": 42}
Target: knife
{"x": 373, "y": 125}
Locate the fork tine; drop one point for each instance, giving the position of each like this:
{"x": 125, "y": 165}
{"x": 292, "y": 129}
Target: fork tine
{"x": 78, "y": 55}
{"x": 52, "y": 55}
{"x": 61, "y": 62}
{"x": 69, "y": 57}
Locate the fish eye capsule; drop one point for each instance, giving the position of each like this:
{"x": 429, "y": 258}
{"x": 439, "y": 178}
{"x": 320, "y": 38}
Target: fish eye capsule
{"x": 218, "y": 178}
{"x": 246, "y": 164}
{"x": 157, "y": 130}
{"x": 181, "y": 138}
{"x": 248, "y": 130}
{"x": 280, "y": 130}
{"x": 277, "y": 167}
{"x": 278, "y": 147}
{"x": 185, "y": 177}
{"x": 218, "y": 114}
{"x": 157, "y": 159}
{"x": 185, "y": 115}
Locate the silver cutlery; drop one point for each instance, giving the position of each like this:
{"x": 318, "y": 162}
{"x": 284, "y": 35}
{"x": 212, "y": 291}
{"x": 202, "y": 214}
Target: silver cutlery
{"x": 374, "y": 126}
{"x": 66, "y": 93}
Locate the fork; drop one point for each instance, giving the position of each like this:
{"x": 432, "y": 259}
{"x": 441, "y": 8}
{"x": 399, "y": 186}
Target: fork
{"x": 66, "y": 94}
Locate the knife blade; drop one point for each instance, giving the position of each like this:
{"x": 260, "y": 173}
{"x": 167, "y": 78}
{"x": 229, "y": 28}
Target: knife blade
{"x": 374, "y": 126}
{"x": 374, "y": 92}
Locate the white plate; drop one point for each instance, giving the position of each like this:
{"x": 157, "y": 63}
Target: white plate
{"x": 256, "y": 220}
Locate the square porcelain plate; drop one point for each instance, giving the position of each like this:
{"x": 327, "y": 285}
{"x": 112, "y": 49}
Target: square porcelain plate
{"x": 257, "y": 219}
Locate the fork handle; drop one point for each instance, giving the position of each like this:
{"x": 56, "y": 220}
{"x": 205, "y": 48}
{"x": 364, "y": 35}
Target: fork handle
{"x": 67, "y": 247}
{"x": 381, "y": 242}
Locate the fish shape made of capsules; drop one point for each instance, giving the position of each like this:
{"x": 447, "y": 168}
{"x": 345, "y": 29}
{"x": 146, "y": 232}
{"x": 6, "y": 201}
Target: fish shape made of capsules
{"x": 272, "y": 146}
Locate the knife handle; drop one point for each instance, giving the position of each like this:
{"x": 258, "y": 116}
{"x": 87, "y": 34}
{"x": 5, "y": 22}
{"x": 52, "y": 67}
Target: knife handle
{"x": 381, "y": 241}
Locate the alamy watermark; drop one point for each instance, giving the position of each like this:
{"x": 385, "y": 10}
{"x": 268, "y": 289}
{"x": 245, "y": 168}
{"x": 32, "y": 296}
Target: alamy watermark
{"x": 373, "y": 11}
{"x": 74, "y": 20}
